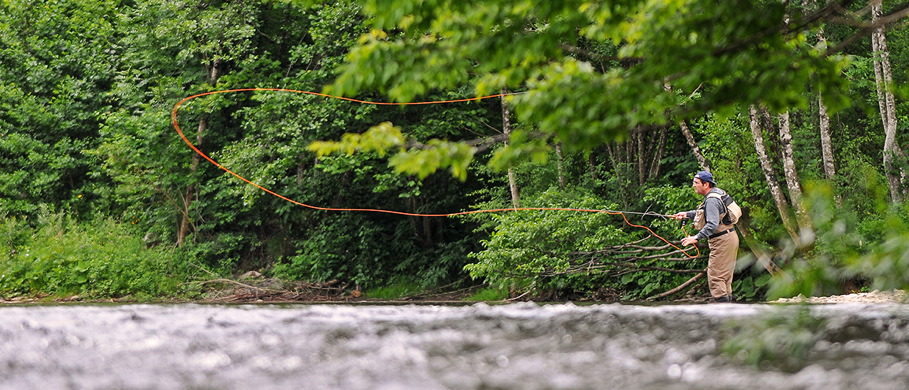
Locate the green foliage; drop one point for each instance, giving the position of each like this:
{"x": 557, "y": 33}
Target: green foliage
{"x": 782, "y": 340}
{"x": 535, "y": 248}
{"x": 488, "y": 294}
{"x": 14, "y": 232}
{"x": 847, "y": 243}
{"x": 751, "y": 287}
{"x": 378, "y": 138}
{"x": 567, "y": 56}
{"x": 86, "y": 89}
{"x": 93, "y": 260}
{"x": 886, "y": 262}
{"x": 348, "y": 247}
{"x": 394, "y": 291}
{"x": 57, "y": 61}
{"x": 420, "y": 162}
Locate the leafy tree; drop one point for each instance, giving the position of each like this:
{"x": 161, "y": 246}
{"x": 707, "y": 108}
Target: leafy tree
{"x": 736, "y": 52}
{"x": 170, "y": 48}
{"x": 55, "y": 58}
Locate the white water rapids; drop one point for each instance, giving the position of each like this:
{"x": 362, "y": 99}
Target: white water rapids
{"x": 514, "y": 346}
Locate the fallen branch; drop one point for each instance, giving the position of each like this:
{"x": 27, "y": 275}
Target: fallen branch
{"x": 681, "y": 287}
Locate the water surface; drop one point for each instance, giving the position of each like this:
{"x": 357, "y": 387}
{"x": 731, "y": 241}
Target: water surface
{"x": 514, "y": 346}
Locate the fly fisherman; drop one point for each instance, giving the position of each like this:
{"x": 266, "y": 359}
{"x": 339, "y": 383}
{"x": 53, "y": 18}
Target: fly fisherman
{"x": 717, "y": 227}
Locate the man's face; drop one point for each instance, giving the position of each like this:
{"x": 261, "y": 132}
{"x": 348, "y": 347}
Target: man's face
{"x": 701, "y": 187}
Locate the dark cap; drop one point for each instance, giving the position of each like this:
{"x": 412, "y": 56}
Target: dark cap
{"x": 705, "y": 176}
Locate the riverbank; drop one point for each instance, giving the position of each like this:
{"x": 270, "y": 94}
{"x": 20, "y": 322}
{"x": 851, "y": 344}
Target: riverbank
{"x": 892, "y": 296}
{"x": 253, "y": 287}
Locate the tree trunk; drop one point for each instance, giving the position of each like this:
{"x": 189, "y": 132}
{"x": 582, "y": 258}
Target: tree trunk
{"x": 789, "y": 169}
{"x": 186, "y": 224}
{"x": 781, "y": 204}
{"x": 823, "y": 117}
{"x": 826, "y": 144}
{"x": 506, "y": 128}
{"x": 657, "y": 155}
{"x": 637, "y": 138}
{"x": 896, "y": 177}
{"x": 824, "y": 126}
{"x": 561, "y": 164}
{"x": 695, "y": 150}
{"x": 592, "y": 166}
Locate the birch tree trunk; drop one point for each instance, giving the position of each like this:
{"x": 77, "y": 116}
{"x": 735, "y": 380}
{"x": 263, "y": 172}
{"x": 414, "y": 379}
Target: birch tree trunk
{"x": 775, "y": 191}
{"x": 826, "y": 144}
{"x": 695, "y": 149}
{"x": 512, "y": 182}
{"x": 791, "y": 172}
{"x": 896, "y": 178}
{"x": 824, "y": 127}
{"x": 561, "y": 164}
{"x": 823, "y": 116}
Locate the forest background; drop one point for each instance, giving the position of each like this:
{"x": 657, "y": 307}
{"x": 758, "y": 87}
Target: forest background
{"x": 798, "y": 108}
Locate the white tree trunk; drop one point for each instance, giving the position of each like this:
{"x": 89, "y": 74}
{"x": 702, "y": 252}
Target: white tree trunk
{"x": 781, "y": 204}
{"x": 512, "y": 182}
{"x": 657, "y": 157}
{"x": 823, "y": 116}
{"x": 826, "y": 144}
{"x": 883, "y": 75}
{"x": 695, "y": 150}
{"x": 824, "y": 127}
{"x": 561, "y": 164}
{"x": 791, "y": 172}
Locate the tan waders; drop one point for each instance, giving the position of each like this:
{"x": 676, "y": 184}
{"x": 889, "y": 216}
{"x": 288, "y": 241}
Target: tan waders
{"x": 724, "y": 245}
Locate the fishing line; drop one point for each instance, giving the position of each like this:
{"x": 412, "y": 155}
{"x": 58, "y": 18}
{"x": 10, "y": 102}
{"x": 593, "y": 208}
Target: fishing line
{"x": 176, "y": 125}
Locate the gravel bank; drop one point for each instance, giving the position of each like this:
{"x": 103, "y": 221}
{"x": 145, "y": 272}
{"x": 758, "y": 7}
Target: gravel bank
{"x": 892, "y": 296}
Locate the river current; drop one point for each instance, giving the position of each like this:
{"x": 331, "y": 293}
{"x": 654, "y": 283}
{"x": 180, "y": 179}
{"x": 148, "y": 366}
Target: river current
{"x": 480, "y": 346}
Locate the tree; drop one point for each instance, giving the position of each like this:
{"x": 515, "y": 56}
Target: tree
{"x": 512, "y": 183}
{"x": 171, "y": 48}
{"x": 776, "y": 192}
{"x": 741, "y": 51}
{"x": 54, "y": 60}
{"x": 791, "y": 172}
{"x": 897, "y": 176}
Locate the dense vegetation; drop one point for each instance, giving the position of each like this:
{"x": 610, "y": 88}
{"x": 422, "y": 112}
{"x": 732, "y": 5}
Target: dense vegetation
{"x": 616, "y": 105}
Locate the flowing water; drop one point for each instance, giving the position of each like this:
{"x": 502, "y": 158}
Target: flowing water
{"x": 514, "y": 346}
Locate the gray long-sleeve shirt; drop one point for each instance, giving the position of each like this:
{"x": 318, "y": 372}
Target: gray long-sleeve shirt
{"x": 713, "y": 208}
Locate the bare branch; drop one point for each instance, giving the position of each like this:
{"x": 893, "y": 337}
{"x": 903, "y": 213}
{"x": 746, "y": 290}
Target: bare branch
{"x": 900, "y": 12}
{"x": 680, "y": 287}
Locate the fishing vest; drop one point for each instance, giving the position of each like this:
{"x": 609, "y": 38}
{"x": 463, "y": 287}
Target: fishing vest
{"x": 729, "y": 215}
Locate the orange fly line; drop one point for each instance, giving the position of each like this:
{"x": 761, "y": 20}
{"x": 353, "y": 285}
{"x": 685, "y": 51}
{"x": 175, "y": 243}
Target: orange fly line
{"x": 176, "y": 125}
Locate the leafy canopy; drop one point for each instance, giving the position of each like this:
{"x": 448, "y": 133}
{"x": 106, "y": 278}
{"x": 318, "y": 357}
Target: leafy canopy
{"x": 589, "y": 71}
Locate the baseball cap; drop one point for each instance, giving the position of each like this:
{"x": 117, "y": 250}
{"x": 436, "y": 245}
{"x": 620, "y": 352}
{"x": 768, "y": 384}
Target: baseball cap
{"x": 705, "y": 176}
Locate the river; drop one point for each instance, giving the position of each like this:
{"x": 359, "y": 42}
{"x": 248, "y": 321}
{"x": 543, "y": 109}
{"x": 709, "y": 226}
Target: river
{"x": 479, "y": 346}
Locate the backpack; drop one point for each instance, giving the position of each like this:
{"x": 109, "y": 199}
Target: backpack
{"x": 733, "y": 211}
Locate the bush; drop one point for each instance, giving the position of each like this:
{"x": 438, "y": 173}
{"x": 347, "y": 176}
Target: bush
{"x": 846, "y": 243}
{"x": 94, "y": 260}
{"x": 548, "y": 251}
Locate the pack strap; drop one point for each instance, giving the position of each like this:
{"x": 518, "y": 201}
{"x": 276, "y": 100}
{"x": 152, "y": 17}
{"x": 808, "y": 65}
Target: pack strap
{"x": 715, "y": 235}
{"x": 725, "y": 220}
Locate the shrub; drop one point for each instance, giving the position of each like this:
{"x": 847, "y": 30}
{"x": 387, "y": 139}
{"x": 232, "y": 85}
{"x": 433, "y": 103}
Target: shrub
{"x": 95, "y": 260}
{"x": 549, "y": 251}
